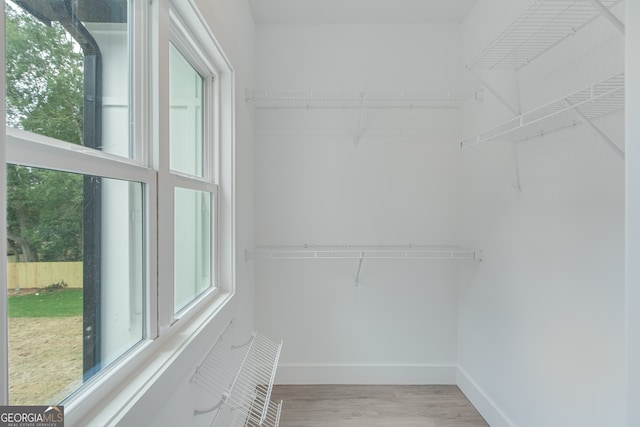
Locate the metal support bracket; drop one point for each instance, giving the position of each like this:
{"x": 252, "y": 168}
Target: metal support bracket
{"x": 516, "y": 165}
{"x": 359, "y": 130}
{"x": 359, "y": 268}
{"x": 585, "y": 120}
{"x": 608, "y": 15}
{"x": 516, "y": 112}
{"x": 494, "y": 92}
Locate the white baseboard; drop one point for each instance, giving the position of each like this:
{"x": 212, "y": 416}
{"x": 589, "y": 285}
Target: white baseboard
{"x": 294, "y": 373}
{"x": 483, "y": 403}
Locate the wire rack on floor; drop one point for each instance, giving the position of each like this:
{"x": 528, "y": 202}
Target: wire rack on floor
{"x": 230, "y": 416}
{"x": 242, "y": 377}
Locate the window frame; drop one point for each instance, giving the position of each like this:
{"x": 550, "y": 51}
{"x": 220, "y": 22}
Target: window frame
{"x": 199, "y": 48}
{"x": 109, "y": 394}
{"x": 181, "y": 38}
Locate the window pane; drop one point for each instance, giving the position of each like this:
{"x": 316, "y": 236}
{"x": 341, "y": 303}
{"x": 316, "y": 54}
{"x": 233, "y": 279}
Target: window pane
{"x": 69, "y": 80}
{"x": 186, "y": 140}
{"x": 192, "y": 245}
{"x": 75, "y": 277}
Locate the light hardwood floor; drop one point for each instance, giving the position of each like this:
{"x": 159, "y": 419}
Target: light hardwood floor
{"x": 375, "y": 406}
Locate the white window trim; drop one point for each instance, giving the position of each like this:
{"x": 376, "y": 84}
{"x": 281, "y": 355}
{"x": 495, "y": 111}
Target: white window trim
{"x": 108, "y": 397}
{"x": 4, "y": 350}
{"x": 31, "y": 149}
{"x": 188, "y": 32}
{"x": 184, "y": 42}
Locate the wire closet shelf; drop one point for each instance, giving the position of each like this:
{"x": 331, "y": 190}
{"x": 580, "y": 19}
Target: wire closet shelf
{"x": 595, "y": 101}
{"x": 388, "y": 252}
{"x": 354, "y": 100}
{"x": 242, "y": 376}
{"x": 545, "y": 24}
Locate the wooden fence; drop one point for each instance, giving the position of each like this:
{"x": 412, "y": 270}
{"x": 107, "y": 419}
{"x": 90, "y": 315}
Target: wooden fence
{"x": 29, "y": 275}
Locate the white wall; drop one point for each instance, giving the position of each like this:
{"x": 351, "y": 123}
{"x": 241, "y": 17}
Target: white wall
{"x": 541, "y": 321}
{"x": 537, "y": 328}
{"x": 397, "y": 185}
{"x": 232, "y": 23}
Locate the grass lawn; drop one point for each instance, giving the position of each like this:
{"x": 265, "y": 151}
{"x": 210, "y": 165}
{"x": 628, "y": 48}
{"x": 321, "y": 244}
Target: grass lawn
{"x": 45, "y": 346}
{"x": 56, "y": 303}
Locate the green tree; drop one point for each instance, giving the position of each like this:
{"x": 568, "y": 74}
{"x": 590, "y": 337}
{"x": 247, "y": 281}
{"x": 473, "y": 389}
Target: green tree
{"x": 44, "y": 95}
{"x": 44, "y": 214}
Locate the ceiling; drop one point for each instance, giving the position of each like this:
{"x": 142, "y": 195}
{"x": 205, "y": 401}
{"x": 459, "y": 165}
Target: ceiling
{"x": 360, "y": 11}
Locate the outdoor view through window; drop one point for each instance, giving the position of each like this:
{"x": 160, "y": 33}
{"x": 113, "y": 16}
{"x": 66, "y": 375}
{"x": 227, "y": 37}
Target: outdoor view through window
{"x": 75, "y": 241}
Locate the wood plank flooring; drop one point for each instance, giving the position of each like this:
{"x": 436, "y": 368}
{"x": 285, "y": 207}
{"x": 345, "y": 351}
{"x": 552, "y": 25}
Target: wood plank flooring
{"x": 375, "y": 406}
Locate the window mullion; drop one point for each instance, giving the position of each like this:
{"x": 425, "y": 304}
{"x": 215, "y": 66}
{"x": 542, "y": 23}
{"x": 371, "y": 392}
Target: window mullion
{"x": 165, "y": 200}
{"x": 29, "y": 149}
{"x": 178, "y": 180}
{"x": 165, "y": 244}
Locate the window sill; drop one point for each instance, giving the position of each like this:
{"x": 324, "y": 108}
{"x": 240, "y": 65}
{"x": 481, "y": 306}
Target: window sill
{"x": 108, "y": 398}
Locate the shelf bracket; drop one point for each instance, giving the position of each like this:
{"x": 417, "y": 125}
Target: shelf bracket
{"x": 585, "y": 120}
{"x": 359, "y": 268}
{"x": 359, "y": 124}
{"x": 608, "y": 15}
{"x": 495, "y": 93}
{"x": 516, "y": 165}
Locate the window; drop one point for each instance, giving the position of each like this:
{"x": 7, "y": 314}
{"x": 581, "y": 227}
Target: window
{"x": 75, "y": 238}
{"x": 113, "y": 187}
{"x": 194, "y": 195}
{"x": 63, "y": 326}
{"x": 192, "y": 249}
{"x": 186, "y": 97}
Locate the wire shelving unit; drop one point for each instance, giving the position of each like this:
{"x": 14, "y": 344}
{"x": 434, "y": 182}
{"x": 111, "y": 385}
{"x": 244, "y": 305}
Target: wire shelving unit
{"x": 230, "y": 416}
{"x": 381, "y": 252}
{"x": 542, "y": 26}
{"x": 242, "y": 376}
{"x": 595, "y": 101}
{"x": 355, "y": 100}
{"x": 360, "y": 253}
